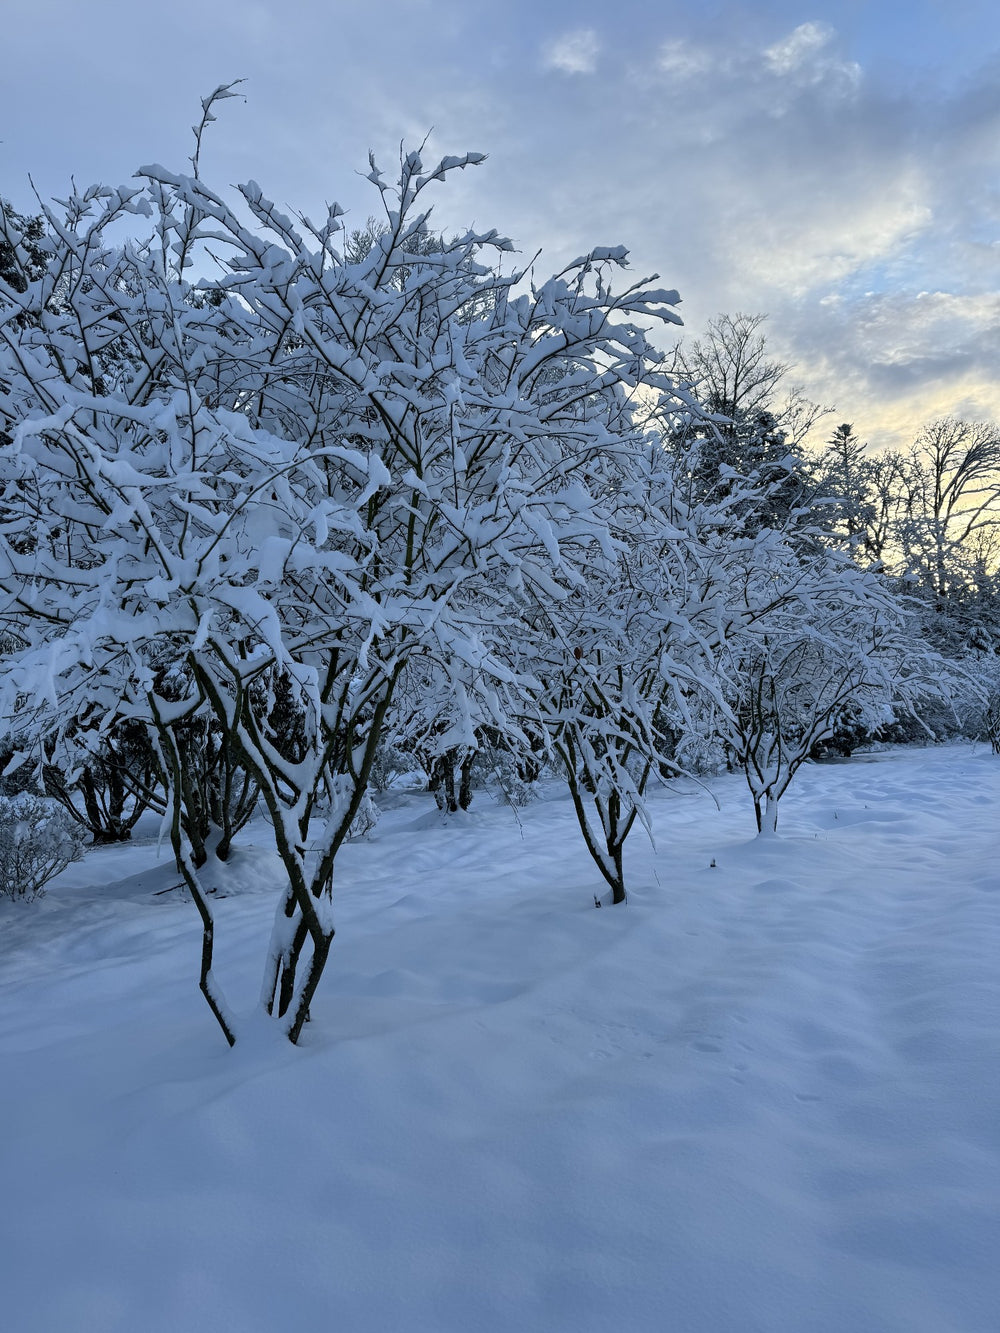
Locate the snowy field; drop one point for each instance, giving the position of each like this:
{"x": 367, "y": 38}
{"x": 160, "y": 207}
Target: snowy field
{"x": 765, "y": 1095}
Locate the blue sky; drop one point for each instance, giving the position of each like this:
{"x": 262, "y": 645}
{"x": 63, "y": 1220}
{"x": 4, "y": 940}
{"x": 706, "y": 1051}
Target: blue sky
{"x": 836, "y": 165}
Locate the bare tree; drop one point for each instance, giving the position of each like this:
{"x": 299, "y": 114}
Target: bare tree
{"x": 951, "y": 499}
{"x": 732, "y": 372}
{"x": 730, "y": 365}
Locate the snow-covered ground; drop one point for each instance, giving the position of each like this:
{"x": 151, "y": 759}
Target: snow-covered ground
{"x": 765, "y": 1095}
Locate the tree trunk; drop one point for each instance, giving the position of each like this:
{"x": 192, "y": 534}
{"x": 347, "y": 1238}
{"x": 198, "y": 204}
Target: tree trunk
{"x": 766, "y": 810}
{"x": 465, "y": 783}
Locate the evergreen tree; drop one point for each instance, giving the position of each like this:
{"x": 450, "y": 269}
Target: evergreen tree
{"x": 22, "y": 258}
{"x": 746, "y": 432}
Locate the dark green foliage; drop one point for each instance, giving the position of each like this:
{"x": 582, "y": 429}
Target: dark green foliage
{"x": 752, "y": 438}
{"x": 22, "y": 257}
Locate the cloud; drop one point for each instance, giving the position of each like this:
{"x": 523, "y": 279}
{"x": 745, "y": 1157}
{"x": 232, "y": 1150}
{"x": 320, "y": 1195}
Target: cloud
{"x": 753, "y": 163}
{"x": 800, "y": 48}
{"x": 683, "y": 60}
{"x": 806, "y": 52}
{"x": 784, "y": 179}
{"x": 830, "y": 228}
{"x": 574, "y": 53}
{"x": 681, "y": 154}
{"x": 894, "y": 422}
{"x": 907, "y": 356}
{"x": 807, "y": 56}
{"x": 757, "y": 170}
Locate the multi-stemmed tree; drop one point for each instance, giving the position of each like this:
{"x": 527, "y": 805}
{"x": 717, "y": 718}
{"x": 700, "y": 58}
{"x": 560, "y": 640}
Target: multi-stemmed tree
{"x": 295, "y": 470}
{"x": 829, "y": 644}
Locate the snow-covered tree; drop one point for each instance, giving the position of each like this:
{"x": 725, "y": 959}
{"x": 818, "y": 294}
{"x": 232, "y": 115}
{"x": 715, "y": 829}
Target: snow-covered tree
{"x": 613, "y": 663}
{"x": 299, "y": 469}
{"x": 845, "y": 482}
{"x": 820, "y": 643}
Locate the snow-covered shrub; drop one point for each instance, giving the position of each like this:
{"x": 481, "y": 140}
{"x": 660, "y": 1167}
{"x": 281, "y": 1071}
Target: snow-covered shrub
{"x": 496, "y": 766}
{"x": 933, "y": 721}
{"x": 16, "y": 776}
{"x": 390, "y": 762}
{"x": 38, "y": 840}
{"x": 850, "y": 731}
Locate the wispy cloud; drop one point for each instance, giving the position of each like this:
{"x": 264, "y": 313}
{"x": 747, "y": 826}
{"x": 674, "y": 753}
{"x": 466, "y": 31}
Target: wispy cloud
{"x": 574, "y": 52}
{"x": 808, "y": 56}
{"x": 683, "y": 60}
{"x": 904, "y": 356}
